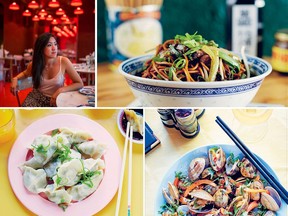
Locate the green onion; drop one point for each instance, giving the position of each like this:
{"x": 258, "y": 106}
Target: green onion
{"x": 158, "y": 59}
{"x": 58, "y": 180}
{"x": 179, "y": 63}
{"x": 173, "y": 50}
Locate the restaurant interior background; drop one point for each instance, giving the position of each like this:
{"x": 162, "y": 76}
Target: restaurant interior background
{"x": 208, "y": 17}
{"x": 19, "y": 29}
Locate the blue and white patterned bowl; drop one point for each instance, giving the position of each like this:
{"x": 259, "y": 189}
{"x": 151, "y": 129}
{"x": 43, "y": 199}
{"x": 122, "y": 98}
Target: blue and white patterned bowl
{"x": 160, "y": 93}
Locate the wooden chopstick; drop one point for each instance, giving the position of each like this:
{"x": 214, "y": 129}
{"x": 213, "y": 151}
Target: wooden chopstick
{"x": 254, "y": 160}
{"x": 122, "y": 170}
{"x": 130, "y": 171}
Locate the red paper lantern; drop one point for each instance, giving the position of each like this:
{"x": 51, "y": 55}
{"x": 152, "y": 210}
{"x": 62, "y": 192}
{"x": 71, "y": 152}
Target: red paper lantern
{"x": 42, "y": 12}
{"x": 27, "y": 13}
{"x": 76, "y": 3}
{"x": 60, "y": 12}
{"x": 14, "y": 6}
{"x": 53, "y": 4}
{"x": 78, "y": 11}
{"x": 54, "y": 22}
{"x": 33, "y": 5}
{"x": 35, "y": 18}
{"x": 49, "y": 17}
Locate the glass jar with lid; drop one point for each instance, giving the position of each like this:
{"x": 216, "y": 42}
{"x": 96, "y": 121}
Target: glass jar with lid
{"x": 280, "y": 51}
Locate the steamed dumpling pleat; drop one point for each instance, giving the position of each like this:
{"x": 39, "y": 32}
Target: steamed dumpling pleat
{"x": 40, "y": 158}
{"x": 93, "y": 148}
{"x": 57, "y": 196}
{"x": 61, "y": 139}
{"x": 135, "y": 120}
{"x": 67, "y": 132}
{"x": 68, "y": 173}
{"x": 93, "y": 165}
{"x": 34, "y": 180}
{"x": 80, "y": 136}
{"x": 81, "y": 191}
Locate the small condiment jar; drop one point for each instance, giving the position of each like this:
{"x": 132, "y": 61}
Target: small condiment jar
{"x": 280, "y": 51}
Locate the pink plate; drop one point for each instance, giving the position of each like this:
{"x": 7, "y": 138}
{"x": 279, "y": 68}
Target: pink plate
{"x": 91, "y": 205}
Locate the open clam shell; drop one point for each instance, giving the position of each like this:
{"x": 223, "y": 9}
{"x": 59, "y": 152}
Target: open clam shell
{"x": 196, "y": 167}
{"x": 217, "y": 158}
{"x": 271, "y": 201}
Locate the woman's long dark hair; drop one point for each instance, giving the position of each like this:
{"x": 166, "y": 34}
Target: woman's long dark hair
{"x": 38, "y": 62}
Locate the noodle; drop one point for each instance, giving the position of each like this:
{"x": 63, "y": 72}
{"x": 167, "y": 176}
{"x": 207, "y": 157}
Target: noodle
{"x": 184, "y": 59}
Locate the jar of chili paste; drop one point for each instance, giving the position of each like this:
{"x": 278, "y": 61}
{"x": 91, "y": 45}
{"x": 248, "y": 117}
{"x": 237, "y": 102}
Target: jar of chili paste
{"x": 280, "y": 51}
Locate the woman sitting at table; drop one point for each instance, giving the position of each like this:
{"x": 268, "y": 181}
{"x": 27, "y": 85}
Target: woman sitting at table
{"x": 47, "y": 71}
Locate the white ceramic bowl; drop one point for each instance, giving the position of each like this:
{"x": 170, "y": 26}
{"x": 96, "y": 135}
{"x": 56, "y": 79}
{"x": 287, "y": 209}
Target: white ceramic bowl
{"x": 160, "y": 93}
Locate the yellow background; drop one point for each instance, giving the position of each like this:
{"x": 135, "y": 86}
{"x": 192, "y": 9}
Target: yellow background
{"x": 10, "y": 205}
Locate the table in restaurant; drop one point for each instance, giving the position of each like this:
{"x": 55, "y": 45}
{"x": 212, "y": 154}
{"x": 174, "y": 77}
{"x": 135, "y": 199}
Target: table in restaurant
{"x": 268, "y": 140}
{"x": 10, "y": 205}
{"x": 89, "y": 72}
{"x": 113, "y": 90}
{"x": 71, "y": 99}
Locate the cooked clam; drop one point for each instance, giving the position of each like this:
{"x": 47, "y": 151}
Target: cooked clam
{"x": 196, "y": 167}
{"x": 247, "y": 169}
{"x": 221, "y": 198}
{"x": 171, "y": 194}
{"x": 217, "y": 158}
{"x": 269, "y": 213}
{"x": 183, "y": 210}
{"x": 256, "y": 185}
{"x": 238, "y": 205}
{"x": 231, "y": 165}
{"x": 208, "y": 173}
{"x": 271, "y": 201}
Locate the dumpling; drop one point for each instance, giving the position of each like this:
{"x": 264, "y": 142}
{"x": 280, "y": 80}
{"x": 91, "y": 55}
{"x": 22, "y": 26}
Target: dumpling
{"x": 61, "y": 139}
{"x": 57, "y": 196}
{"x": 81, "y": 136}
{"x": 81, "y": 191}
{"x": 68, "y": 173}
{"x": 51, "y": 168}
{"x": 93, "y": 148}
{"x": 74, "y": 154}
{"x": 67, "y": 132}
{"x": 135, "y": 120}
{"x": 43, "y": 149}
{"x": 93, "y": 165}
{"x": 34, "y": 180}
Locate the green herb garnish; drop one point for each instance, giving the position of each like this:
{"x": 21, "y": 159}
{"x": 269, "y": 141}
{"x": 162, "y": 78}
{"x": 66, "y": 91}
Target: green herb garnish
{"x": 41, "y": 149}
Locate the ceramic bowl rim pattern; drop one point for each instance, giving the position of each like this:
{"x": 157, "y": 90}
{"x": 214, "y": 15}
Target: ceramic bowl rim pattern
{"x": 195, "y": 89}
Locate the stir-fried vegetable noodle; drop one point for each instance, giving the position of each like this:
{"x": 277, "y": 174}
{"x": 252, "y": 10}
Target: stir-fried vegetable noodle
{"x": 192, "y": 58}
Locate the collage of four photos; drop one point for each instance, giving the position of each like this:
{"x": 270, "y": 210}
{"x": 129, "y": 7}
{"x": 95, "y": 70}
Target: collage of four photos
{"x": 144, "y": 107}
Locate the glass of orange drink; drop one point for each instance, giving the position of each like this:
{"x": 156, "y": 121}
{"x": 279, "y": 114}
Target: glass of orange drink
{"x": 7, "y": 125}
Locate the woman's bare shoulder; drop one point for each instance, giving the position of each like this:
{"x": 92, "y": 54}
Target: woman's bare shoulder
{"x": 65, "y": 60}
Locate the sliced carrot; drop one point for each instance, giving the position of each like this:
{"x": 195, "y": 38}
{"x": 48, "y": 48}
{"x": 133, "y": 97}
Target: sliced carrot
{"x": 176, "y": 182}
{"x": 196, "y": 184}
{"x": 251, "y": 206}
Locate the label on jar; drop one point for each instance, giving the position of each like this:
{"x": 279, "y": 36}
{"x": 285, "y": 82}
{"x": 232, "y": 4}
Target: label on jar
{"x": 131, "y": 33}
{"x": 280, "y": 59}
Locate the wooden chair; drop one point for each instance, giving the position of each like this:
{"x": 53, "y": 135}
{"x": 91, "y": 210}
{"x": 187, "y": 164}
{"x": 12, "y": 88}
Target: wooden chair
{"x": 23, "y": 84}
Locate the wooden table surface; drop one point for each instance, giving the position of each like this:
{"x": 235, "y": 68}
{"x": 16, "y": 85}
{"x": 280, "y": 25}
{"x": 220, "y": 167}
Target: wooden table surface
{"x": 113, "y": 90}
{"x": 268, "y": 139}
